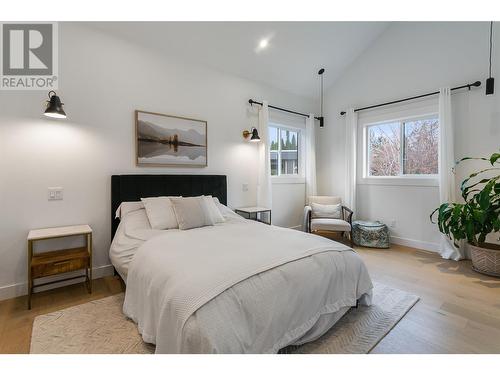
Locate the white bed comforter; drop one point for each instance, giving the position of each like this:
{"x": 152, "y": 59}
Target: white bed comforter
{"x": 240, "y": 287}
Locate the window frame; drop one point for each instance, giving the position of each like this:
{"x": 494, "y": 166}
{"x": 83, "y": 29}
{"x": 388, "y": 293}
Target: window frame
{"x": 401, "y": 179}
{"x": 289, "y": 178}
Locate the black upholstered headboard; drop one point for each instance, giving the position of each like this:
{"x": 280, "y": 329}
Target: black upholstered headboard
{"x": 133, "y": 187}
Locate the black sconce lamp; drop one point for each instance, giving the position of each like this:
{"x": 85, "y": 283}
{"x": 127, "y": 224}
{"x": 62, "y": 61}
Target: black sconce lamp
{"x": 254, "y": 135}
{"x": 490, "y": 82}
{"x": 54, "y": 106}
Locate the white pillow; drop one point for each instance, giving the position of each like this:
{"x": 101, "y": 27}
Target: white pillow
{"x": 326, "y": 211}
{"x": 214, "y": 211}
{"x": 192, "y": 212}
{"x": 125, "y": 207}
{"x": 160, "y": 213}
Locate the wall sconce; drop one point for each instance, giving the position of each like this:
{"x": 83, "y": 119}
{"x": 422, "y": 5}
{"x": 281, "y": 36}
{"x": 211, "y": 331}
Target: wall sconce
{"x": 254, "y": 135}
{"x": 54, "y": 106}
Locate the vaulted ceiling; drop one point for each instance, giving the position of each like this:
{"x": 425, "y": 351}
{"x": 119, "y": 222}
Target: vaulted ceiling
{"x": 294, "y": 53}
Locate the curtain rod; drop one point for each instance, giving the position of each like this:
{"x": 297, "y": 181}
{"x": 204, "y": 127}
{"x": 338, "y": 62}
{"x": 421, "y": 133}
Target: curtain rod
{"x": 469, "y": 85}
{"x": 251, "y": 101}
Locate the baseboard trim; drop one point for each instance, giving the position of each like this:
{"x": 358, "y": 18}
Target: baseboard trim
{"x": 422, "y": 245}
{"x": 21, "y": 289}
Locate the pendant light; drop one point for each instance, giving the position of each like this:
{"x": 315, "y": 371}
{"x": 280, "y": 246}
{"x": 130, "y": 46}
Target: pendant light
{"x": 321, "y": 118}
{"x": 490, "y": 82}
{"x": 54, "y": 106}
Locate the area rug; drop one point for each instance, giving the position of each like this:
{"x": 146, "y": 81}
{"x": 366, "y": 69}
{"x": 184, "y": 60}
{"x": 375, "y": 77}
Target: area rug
{"x": 99, "y": 327}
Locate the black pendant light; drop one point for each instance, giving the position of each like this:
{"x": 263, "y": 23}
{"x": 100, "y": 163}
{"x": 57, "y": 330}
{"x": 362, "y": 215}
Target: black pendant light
{"x": 321, "y": 118}
{"x": 54, "y": 106}
{"x": 490, "y": 82}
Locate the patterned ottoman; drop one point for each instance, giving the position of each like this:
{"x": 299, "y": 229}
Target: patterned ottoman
{"x": 370, "y": 234}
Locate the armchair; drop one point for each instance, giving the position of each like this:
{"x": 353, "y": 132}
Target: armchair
{"x": 343, "y": 224}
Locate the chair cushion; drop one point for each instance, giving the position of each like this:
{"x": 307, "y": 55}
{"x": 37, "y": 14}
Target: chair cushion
{"x": 330, "y": 225}
{"x": 326, "y": 211}
{"x": 324, "y": 199}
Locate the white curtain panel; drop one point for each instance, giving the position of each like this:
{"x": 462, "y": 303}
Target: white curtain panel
{"x": 351, "y": 134}
{"x": 446, "y": 168}
{"x": 310, "y": 157}
{"x": 264, "y": 187}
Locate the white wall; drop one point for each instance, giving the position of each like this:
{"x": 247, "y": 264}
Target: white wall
{"x": 409, "y": 59}
{"x": 102, "y": 81}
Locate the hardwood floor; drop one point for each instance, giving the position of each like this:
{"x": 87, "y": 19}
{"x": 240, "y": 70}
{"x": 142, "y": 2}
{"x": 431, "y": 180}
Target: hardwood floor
{"x": 16, "y": 320}
{"x": 459, "y": 310}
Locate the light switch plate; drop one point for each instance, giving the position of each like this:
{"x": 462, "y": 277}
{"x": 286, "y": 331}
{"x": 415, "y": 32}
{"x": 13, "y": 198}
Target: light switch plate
{"x": 55, "y": 193}
{"x": 244, "y": 187}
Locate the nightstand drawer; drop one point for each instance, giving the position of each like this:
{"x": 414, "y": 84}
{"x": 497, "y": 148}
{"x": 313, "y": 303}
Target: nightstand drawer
{"x": 54, "y": 263}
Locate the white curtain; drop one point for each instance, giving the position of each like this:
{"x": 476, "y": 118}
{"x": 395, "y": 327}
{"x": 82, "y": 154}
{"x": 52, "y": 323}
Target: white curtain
{"x": 264, "y": 188}
{"x": 310, "y": 157}
{"x": 351, "y": 131}
{"x": 446, "y": 168}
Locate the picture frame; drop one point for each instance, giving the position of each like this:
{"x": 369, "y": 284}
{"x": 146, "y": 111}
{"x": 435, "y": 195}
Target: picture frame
{"x": 163, "y": 140}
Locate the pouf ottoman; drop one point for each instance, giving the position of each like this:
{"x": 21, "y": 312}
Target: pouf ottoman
{"x": 370, "y": 234}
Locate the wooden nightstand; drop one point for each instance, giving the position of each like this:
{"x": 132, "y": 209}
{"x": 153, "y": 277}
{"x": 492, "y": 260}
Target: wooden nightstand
{"x": 254, "y": 213}
{"x": 59, "y": 261}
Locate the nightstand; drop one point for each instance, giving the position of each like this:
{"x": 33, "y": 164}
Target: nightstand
{"x": 254, "y": 213}
{"x": 59, "y": 261}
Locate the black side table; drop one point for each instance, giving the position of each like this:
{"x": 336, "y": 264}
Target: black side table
{"x": 254, "y": 213}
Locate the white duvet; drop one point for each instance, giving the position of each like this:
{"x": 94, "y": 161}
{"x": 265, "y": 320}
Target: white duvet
{"x": 240, "y": 287}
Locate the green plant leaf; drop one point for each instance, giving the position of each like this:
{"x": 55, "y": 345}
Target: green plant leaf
{"x": 470, "y": 158}
{"x": 480, "y": 214}
{"x": 494, "y": 158}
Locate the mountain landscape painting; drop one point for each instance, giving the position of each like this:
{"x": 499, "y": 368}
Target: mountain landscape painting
{"x": 163, "y": 140}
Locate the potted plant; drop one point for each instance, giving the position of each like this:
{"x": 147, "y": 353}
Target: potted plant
{"x": 477, "y": 217}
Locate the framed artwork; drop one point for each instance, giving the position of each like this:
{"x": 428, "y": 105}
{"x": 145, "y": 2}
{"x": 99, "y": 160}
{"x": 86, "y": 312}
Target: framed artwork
{"x": 170, "y": 141}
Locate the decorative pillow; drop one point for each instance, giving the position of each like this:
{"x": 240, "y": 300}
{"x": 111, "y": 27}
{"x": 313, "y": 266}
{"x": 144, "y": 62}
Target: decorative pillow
{"x": 326, "y": 211}
{"x": 192, "y": 212}
{"x": 125, "y": 207}
{"x": 214, "y": 211}
{"x": 160, "y": 212}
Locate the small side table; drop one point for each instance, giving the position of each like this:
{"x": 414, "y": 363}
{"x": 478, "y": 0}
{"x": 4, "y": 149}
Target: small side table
{"x": 59, "y": 261}
{"x": 254, "y": 213}
{"x": 370, "y": 234}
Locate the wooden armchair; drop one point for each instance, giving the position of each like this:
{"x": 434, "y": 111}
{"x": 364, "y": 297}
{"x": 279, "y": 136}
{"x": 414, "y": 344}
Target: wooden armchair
{"x": 319, "y": 224}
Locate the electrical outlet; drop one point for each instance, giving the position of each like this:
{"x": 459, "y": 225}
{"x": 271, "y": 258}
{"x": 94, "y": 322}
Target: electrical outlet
{"x": 244, "y": 187}
{"x": 55, "y": 193}
{"x": 393, "y": 224}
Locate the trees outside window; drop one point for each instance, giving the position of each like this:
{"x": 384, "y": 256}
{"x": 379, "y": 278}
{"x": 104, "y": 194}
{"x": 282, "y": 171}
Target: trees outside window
{"x": 400, "y": 148}
{"x": 284, "y": 149}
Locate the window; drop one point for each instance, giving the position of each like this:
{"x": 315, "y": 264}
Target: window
{"x": 284, "y": 150}
{"x": 403, "y": 148}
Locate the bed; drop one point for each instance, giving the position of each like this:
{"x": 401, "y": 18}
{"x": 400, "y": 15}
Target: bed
{"x": 236, "y": 287}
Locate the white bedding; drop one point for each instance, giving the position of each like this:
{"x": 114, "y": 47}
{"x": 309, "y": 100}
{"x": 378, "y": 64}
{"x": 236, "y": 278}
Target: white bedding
{"x": 132, "y": 232}
{"x": 237, "y": 287}
{"x": 134, "y": 229}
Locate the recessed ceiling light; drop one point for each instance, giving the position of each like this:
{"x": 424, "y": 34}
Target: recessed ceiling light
{"x": 263, "y": 43}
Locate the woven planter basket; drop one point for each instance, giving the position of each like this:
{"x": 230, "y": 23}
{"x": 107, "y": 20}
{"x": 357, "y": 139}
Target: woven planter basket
{"x": 486, "y": 259}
